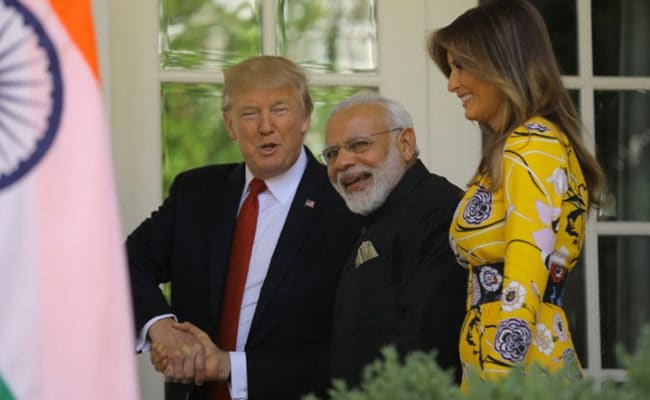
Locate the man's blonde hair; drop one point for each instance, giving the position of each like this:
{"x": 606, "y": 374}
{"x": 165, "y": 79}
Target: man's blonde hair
{"x": 265, "y": 72}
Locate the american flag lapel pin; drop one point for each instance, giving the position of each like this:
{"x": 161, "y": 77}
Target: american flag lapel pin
{"x": 310, "y": 203}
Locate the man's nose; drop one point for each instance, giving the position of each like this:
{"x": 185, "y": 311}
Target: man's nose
{"x": 266, "y": 123}
{"x": 344, "y": 159}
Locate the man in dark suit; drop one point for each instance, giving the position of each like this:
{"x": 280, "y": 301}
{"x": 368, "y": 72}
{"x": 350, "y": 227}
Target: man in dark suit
{"x": 402, "y": 285}
{"x": 302, "y": 234}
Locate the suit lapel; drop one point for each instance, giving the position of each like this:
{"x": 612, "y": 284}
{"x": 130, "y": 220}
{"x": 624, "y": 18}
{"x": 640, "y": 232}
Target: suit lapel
{"x": 300, "y": 220}
{"x": 223, "y": 206}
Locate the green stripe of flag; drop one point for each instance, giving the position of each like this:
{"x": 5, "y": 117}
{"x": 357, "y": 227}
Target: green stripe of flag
{"x": 5, "y": 394}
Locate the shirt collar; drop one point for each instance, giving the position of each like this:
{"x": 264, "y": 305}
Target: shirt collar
{"x": 283, "y": 186}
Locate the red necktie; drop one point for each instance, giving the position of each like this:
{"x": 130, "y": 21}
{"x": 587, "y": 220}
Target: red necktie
{"x": 240, "y": 255}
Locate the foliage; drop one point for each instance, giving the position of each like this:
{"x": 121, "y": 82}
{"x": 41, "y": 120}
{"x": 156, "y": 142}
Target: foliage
{"x": 322, "y": 35}
{"x": 638, "y": 368}
{"x": 193, "y": 132}
{"x": 205, "y": 34}
{"x": 420, "y": 378}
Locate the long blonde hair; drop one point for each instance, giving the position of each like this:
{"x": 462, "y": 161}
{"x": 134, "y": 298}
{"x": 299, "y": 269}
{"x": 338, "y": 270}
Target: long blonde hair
{"x": 506, "y": 42}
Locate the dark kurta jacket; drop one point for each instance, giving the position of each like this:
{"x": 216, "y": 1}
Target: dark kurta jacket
{"x": 187, "y": 242}
{"x": 402, "y": 285}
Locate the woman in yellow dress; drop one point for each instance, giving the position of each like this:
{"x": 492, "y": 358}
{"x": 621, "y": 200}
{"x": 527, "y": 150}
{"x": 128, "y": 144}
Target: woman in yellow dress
{"x": 520, "y": 227}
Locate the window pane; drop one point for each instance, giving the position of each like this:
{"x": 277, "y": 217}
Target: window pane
{"x": 202, "y": 34}
{"x": 329, "y": 35}
{"x": 193, "y": 133}
{"x": 576, "y": 310}
{"x": 561, "y": 18}
{"x": 623, "y": 148}
{"x": 624, "y": 296}
{"x": 574, "y": 94}
{"x": 621, "y": 34}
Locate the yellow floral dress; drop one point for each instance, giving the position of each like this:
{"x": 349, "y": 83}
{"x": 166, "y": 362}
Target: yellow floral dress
{"x": 519, "y": 243}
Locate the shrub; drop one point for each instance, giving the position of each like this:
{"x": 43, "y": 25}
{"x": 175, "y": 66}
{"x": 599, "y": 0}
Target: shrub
{"x": 420, "y": 378}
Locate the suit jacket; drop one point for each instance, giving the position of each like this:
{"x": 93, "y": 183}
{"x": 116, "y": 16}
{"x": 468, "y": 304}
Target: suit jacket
{"x": 402, "y": 285}
{"x": 187, "y": 242}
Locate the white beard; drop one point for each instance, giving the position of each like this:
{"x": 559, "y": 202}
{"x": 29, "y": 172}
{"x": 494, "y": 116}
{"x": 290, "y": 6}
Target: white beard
{"x": 384, "y": 178}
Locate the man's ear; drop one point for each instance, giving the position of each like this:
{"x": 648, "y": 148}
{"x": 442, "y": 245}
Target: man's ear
{"x": 305, "y": 125}
{"x": 227, "y": 121}
{"x": 406, "y": 145}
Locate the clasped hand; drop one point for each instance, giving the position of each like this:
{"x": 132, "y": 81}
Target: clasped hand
{"x": 184, "y": 353}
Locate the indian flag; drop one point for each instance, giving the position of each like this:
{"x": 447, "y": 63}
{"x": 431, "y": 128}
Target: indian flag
{"x": 65, "y": 314}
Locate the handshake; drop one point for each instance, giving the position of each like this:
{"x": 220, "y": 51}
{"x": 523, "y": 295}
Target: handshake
{"x": 186, "y": 354}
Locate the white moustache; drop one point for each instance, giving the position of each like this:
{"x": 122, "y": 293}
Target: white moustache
{"x": 352, "y": 173}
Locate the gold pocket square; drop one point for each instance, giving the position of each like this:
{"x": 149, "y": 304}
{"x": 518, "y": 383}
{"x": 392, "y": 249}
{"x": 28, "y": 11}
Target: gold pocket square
{"x": 366, "y": 252}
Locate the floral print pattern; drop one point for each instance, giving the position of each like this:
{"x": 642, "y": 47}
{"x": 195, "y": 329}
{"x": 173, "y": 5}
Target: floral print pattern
{"x": 479, "y": 207}
{"x": 560, "y": 181}
{"x": 570, "y": 360}
{"x": 490, "y": 279}
{"x": 513, "y": 296}
{"x": 476, "y": 289}
{"x": 559, "y": 328}
{"x": 544, "y": 339}
{"x": 512, "y": 339}
{"x": 532, "y": 228}
{"x": 541, "y": 128}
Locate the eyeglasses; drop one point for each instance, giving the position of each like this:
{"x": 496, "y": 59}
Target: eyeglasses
{"x": 356, "y": 145}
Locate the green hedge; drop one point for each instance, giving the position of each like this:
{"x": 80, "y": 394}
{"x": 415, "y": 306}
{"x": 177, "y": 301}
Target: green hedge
{"x": 420, "y": 378}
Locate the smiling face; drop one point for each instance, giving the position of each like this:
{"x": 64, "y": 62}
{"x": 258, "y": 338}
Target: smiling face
{"x": 483, "y": 101}
{"x": 365, "y": 179}
{"x": 269, "y": 127}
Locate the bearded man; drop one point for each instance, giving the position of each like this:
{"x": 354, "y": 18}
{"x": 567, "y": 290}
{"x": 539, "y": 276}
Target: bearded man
{"x": 401, "y": 286}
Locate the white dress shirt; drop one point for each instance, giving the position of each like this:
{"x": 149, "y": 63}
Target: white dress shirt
{"x": 274, "y": 204}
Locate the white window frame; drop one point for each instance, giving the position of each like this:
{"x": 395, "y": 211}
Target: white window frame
{"x": 587, "y": 84}
{"x": 449, "y": 144}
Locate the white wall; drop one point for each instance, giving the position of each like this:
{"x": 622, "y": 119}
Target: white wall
{"x": 455, "y": 148}
{"x": 151, "y": 383}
